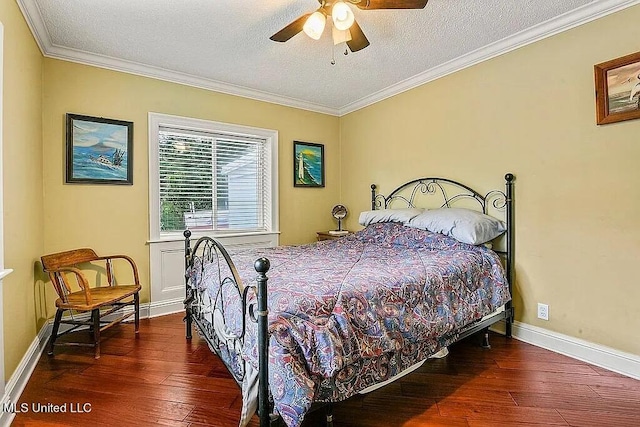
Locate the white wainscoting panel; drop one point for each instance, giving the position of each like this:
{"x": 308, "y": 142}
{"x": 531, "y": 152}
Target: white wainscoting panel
{"x": 167, "y": 266}
{"x": 167, "y": 271}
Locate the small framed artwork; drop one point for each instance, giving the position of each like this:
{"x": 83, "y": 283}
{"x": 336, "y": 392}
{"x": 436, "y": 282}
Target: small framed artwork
{"x": 308, "y": 164}
{"x": 618, "y": 89}
{"x": 99, "y": 150}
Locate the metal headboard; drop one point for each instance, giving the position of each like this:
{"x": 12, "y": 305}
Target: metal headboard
{"x": 447, "y": 191}
{"x": 453, "y": 192}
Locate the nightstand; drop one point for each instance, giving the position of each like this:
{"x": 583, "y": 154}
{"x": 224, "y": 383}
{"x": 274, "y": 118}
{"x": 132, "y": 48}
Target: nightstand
{"x": 325, "y": 235}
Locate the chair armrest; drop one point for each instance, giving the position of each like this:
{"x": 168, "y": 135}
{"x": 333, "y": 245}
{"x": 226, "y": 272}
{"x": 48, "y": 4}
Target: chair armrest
{"x": 80, "y": 277}
{"x": 131, "y": 262}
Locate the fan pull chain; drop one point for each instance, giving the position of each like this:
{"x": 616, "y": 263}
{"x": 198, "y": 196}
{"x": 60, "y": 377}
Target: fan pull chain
{"x": 333, "y": 54}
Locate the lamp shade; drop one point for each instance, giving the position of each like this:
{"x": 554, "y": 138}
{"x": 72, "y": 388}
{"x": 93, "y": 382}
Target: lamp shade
{"x": 315, "y": 25}
{"x": 342, "y": 16}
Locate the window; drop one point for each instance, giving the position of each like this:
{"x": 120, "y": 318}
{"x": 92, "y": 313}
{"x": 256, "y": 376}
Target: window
{"x": 210, "y": 182}
{"x": 209, "y": 176}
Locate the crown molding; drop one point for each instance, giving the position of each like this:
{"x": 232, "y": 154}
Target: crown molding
{"x": 567, "y": 21}
{"x": 34, "y": 20}
{"x": 33, "y": 16}
{"x": 138, "y": 69}
{"x": 582, "y": 15}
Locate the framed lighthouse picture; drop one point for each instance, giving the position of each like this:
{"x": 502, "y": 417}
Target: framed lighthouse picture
{"x": 308, "y": 164}
{"x": 99, "y": 150}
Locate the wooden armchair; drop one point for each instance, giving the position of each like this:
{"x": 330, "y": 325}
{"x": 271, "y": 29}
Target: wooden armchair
{"x": 101, "y": 301}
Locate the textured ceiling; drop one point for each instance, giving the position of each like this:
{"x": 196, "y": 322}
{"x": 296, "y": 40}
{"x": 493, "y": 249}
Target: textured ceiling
{"x": 224, "y": 44}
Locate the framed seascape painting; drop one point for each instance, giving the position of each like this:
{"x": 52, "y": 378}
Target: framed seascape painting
{"x": 99, "y": 150}
{"x": 308, "y": 164}
{"x": 618, "y": 89}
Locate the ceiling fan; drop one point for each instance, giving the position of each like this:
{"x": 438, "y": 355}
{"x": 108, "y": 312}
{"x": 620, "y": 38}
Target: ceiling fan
{"x": 345, "y": 28}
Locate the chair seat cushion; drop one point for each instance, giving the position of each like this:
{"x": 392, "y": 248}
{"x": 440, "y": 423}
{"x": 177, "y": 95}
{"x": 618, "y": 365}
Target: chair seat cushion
{"x": 100, "y": 296}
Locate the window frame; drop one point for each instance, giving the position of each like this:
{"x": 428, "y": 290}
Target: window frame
{"x": 158, "y": 121}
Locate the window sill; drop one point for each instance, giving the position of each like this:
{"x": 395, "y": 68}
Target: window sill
{"x": 5, "y": 272}
{"x": 178, "y": 237}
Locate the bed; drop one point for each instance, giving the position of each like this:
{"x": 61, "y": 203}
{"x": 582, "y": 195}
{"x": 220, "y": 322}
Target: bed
{"x": 341, "y": 317}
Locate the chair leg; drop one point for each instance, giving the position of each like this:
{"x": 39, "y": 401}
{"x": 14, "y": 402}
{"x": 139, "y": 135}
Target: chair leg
{"x": 95, "y": 314}
{"x": 54, "y": 332}
{"x": 136, "y": 299}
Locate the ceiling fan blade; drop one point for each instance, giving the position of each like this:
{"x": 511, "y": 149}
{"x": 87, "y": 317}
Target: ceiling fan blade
{"x": 390, "y": 4}
{"x": 358, "y": 39}
{"x": 290, "y": 30}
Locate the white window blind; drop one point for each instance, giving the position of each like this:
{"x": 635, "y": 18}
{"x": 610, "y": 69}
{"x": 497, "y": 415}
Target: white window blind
{"x": 212, "y": 181}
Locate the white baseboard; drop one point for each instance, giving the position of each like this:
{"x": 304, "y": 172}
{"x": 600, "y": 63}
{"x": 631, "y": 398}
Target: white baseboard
{"x": 164, "y": 307}
{"x": 18, "y": 381}
{"x": 605, "y": 357}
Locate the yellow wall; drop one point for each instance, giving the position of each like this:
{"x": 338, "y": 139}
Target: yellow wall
{"x": 22, "y": 174}
{"x": 116, "y": 218}
{"x": 530, "y": 112}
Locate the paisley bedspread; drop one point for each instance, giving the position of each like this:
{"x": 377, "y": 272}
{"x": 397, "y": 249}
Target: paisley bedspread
{"x": 349, "y": 313}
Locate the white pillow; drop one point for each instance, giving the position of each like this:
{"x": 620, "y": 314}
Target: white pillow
{"x": 464, "y": 225}
{"x": 388, "y": 215}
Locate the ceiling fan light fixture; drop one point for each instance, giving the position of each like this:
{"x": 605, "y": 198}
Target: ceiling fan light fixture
{"x": 340, "y": 36}
{"x": 342, "y": 16}
{"x": 315, "y": 25}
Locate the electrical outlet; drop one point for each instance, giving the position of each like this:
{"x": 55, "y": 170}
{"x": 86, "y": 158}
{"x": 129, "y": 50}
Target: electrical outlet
{"x": 543, "y": 311}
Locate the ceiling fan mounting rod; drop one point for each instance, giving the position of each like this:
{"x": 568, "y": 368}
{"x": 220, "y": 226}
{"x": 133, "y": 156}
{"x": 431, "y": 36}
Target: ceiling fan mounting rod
{"x": 326, "y": 4}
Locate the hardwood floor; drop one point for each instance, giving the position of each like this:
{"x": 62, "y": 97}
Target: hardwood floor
{"x": 161, "y": 379}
